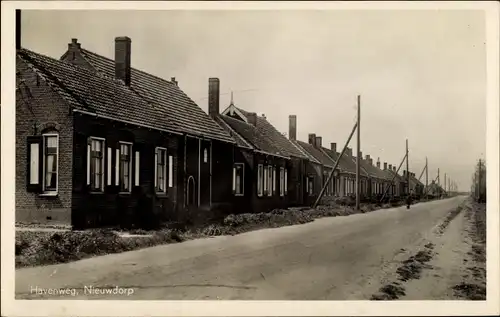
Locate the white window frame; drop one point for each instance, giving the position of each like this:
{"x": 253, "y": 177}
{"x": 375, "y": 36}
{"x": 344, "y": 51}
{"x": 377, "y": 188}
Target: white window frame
{"x": 266, "y": 181}
{"x": 286, "y": 180}
{"x": 137, "y": 167}
{"x": 282, "y": 182}
{"x": 274, "y": 180}
{"x": 242, "y": 180}
{"x": 260, "y": 183}
{"x": 159, "y": 149}
{"x": 103, "y": 163}
{"x": 109, "y": 162}
{"x": 130, "y": 144}
{"x": 269, "y": 180}
{"x": 44, "y": 190}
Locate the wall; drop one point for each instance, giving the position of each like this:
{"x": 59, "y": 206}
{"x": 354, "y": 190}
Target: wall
{"x": 140, "y": 208}
{"x": 45, "y": 109}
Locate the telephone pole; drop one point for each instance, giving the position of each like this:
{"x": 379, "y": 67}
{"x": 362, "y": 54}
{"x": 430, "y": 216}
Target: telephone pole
{"x": 426, "y": 179}
{"x": 408, "y": 175}
{"x": 479, "y": 182}
{"x": 358, "y": 180}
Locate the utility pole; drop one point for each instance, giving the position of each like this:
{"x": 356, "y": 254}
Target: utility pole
{"x": 408, "y": 175}
{"x": 479, "y": 183}
{"x": 444, "y": 183}
{"x": 426, "y": 179}
{"x": 439, "y": 184}
{"x": 358, "y": 180}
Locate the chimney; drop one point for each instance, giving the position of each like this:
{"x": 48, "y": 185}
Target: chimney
{"x": 390, "y": 167}
{"x": 213, "y": 97}
{"x": 312, "y": 138}
{"x": 18, "y": 29}
{"x": 394, "y": 168}
{"x": 333, "y": 147}
{"x": 292, "y": 127}
{"x": 349, "y": 151}
{"x": 360, "y": 155}
{"x": 318, "y": 143}
{"x": 378, "y": 162}
{"x": 404, "y": 172}
{"x": 122, "y": 59}
{"x": 369, "y": 159}
{"x": 385, "y": 166}
{"x": 252, "y": 118}
{"x": 172, "y": 79}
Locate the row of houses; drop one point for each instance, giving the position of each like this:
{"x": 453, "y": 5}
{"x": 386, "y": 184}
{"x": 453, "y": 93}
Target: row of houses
{"x": 100, "y": 143}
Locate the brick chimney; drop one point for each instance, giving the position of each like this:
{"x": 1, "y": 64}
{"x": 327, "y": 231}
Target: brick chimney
{"x": 394, "y": 168}
{"x": 385, "y": 166}
{"x": 390, "y": 167}
{"x": 122, "y": 59}
{"x": 252, "y": 118}
{"x": 368, "y": 159}
{"x": 292, "y": 127}
{"x": 312, "y": 139}
{"x": 378, "y": 162}
{"x": 213, "y": 97}
{"x": 175, "y": 82}
{"x": 348, "y": 151}
{"x": 360, "y": 155}
{"x": 333, "y": 147}
{"x": 318, "y": 143}
{"x": 18, "y": 29}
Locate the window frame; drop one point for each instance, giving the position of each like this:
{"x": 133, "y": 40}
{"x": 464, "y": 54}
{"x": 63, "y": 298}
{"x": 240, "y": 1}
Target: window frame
{"x": 130, "y": 167}
{"x": 282, "y": 181}
{"x": 286, "y": 180}
{"x": 242, "y": 179}
{"x": 269, "y": 180}
{"x": 159, "y": 149}
{"x": 260, "y": 180}
{"x": 90, "y": 175}
{"x": 55, "y": 191}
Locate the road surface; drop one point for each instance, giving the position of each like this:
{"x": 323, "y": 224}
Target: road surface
{"x": 340, "y": 258}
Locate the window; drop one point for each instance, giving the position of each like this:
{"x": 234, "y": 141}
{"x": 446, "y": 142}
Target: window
{"x": 125, "y": 167}
{"x": 238, "y": 177}
{"x": 205, "y": 156}
{"x": 286, "y": 181}
{"x": 137, "y": 168}
{"x": 274, "y": 180}
{"x": 310, "y": 185}
{"x": 260, "y": 177}
{"x": 50, "y": 164}
{"x": 265, "y": 181}
{"x": 95, "y": 164}
{"x": 270, "y": 180}
{"x": 282, "y": 181}
{"x": 161, "y": 170}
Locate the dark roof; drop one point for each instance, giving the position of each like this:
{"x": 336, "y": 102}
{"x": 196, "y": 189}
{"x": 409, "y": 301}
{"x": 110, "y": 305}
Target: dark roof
{"x": 182, "y": 113}
{"x": 309, "y": 156}
{"x": 398, "y": 177}
{"x": 250, "y": 134}
{"x": 275, "y": 137}
{"x": 85, "y": 90}
{"x": 346, "y": 163}
{"x": 240, "y": 141}
{"x": 316, "y": 153}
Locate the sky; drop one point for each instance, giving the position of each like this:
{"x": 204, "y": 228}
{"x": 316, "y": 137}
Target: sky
{"x": 421, "y": 75}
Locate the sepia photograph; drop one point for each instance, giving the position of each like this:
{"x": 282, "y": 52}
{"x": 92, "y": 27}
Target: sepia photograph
{"x": 250, "y": 154}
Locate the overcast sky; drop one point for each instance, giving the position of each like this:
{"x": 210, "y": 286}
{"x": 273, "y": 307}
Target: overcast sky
{"x": 421, "y": 74}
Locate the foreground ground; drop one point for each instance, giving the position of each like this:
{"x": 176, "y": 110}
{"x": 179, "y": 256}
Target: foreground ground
{"x": 392, "y": 253}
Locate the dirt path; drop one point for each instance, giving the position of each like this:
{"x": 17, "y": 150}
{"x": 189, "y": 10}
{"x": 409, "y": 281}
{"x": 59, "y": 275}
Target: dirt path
{"x": 447, "y": 264}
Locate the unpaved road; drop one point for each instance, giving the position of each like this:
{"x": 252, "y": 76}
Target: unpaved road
{"x": 329, "y": 259}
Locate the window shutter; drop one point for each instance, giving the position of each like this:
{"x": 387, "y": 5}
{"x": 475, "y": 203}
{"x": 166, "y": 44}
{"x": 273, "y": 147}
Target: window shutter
{"x": 34, "y": 166}
{"x": 156, "y": 167}
{"x": 137, "y": 168}
{"x": 117, "y": 167}
{"x": 234, "y": 178}
{"x": 88, "y": 160}
{"x": 170, "y": 171}
{"x": 110, "y": 170}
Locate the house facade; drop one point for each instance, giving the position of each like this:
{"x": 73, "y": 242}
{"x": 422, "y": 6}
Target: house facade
{"x": 100, "y": 143}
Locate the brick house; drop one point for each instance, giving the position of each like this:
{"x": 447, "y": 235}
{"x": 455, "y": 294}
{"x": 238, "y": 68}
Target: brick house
{"x": 399, "y": 183}
{"x": 416, "y": 186}
{"x": 267, "y": 167}
{"x": 99, "y": 143}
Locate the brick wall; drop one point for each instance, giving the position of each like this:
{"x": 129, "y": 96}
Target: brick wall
{"x": 46, "y": 110}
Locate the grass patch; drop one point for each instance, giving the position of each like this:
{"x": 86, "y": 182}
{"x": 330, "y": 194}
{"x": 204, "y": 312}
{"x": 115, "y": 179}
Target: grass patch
{"x": 389, "y": 292}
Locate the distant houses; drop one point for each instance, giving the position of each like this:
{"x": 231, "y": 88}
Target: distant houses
{"x": 100, "y": 143}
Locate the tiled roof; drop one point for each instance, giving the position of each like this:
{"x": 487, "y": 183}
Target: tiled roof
{"x": 252, "y": 135}
{"x": 86, "y": 90}
{"x": 346, "y": 163}
{"x": 398, "y": 177}
{"x": 309, "y": 156}
{"x": 240, "y": 141}
{"x": 178, "y": 109}
{"x": 275, "y": 137}
{"x": 374, "y": 171}
{"x": 316, "y": 153}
